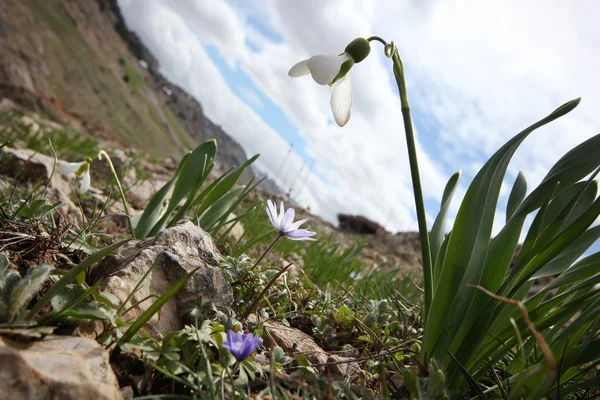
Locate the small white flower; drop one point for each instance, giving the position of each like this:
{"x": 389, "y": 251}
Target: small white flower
{"x": 324, "y": 69}
{"x": 81, "y": 170}
{"x": 284, "y": 223}
{"x": 332, "y": 70}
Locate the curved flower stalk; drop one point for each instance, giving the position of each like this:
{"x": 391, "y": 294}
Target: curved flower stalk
{"x": 102, "y": 154}
{"x": 284, "y": 224}
{"x": 81, "y": 170}
{"x": 334, "y": 71}
{"x": 241, "y": 345}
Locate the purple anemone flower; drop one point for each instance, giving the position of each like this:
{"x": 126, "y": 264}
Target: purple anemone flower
{"x": 241, "y": 346}
{"x": 284, "y": 222}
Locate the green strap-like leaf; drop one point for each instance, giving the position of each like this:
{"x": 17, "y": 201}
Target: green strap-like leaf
{"x": 578, "y": 205}
{"x": 517, "y": 194}
{"x": 154, "y": 210}
{"x": 190, "y": 198}
{"x": 468, "y": 245}
{"x": 189, "y": 180}
{"x": 153, "y": 309}
{"x": 27, "y": 287}
{"x": 569, "y": 255}
{"x": 436, "y": 236}
{"x": 580, "y": 271}
{"x": 535, "y": 230}
{"x": 224, "y": 186}
{"x": 572, "y": 167}
{"x": 559, "y": 243}
{"x": 219, "y": 209}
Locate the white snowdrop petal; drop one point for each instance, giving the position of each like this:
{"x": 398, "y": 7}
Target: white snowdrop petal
{"x": 325, "y": 67}
{"x": 69, "y": 168}
{"x": 85, "y": 182}
{"x": 341, "y": 100}
{"x": 300, "y": 69}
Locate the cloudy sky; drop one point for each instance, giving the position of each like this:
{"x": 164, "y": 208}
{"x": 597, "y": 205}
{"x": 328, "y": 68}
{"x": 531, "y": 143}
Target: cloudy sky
{"x": 478, "y": 72}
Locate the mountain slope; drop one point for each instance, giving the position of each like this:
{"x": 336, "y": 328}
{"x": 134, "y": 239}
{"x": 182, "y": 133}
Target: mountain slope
{"x": 77, "y": 61}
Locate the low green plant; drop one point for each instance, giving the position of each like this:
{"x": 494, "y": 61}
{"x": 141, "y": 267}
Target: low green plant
{"x": 68, "y": 143}
{"x": 478, "y": 316}
{"x": 213, "y": 205}
{"x": 475, "y": 322}
{"x": 325, "y": 261}
{"x": 16, "y": 291}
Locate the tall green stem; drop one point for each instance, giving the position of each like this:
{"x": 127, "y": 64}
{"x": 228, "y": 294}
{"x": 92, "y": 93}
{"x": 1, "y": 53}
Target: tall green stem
{"x": 103, "y": 154}
{"x": 416, "y": 180}
{"x": 392, "y": 52}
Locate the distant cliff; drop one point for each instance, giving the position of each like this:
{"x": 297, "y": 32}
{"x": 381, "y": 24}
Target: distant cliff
{"x": 77, "y": 61}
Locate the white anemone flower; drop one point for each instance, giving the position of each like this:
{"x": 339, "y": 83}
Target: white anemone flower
{"x": 335, "y": 71}
{"x": 81, "y": 170}
{"x": 284, "y": 223}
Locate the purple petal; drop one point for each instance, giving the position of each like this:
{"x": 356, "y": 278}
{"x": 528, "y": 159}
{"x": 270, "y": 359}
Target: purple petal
{"x": 231, "y": 337}
{"x": 300, "y": 234}
{"x": 288, "y": 218}
{"x": 272, "y": 213}
{"x": 296, "y": 225}
{"x": 226, "y": 346}
{"x": 272, "y": 207}
{"x": 230, "y": 340}
{"x": 281, "y": 213}
{"x": 241, "y": 346}
{"x": 271, "y": 218}
{"x": 247, "y": 346}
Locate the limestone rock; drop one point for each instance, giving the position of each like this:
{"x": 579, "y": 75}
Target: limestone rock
{"x": 58, "y": 367}
{"x": 358, "y": 224}
{"x": 177, "y": 251}
{"x": 294, "y": 340}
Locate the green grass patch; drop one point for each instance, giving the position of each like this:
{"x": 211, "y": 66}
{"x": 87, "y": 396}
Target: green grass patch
{"x": 134, "y": 79}
{"x": 178, "y": 128}
{"x": 92, "y": 89}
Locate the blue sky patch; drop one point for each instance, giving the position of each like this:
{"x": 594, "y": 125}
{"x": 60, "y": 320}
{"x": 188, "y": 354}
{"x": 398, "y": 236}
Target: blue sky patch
{"x": 273, "y": 115}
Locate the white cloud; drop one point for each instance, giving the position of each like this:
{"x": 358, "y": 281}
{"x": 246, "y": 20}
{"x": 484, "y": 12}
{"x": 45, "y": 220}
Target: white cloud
{"x": 478, "y": 72}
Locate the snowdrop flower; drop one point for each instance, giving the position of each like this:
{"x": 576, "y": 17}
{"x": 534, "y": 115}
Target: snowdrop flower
{"x": 81, "y": 170}
{"x": 284, "y": 222}
{"x": 241, "y": 346}
{"x": 332, "y": 70}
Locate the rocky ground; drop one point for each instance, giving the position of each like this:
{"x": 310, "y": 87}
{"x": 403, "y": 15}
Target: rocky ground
{"x": 28, "y": 169}
{"x": 142, "y": 178}
{"x": 73, "y": 81}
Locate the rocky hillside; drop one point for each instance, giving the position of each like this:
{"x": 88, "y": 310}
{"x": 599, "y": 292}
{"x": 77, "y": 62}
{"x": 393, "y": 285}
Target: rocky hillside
{"x": 76, "y": 61}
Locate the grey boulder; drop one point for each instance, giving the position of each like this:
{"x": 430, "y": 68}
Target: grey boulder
{"x": 58, "y": 367}
{"x": 176, "y": 251}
